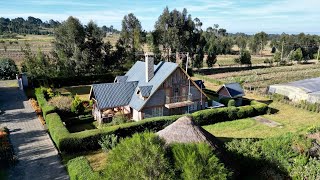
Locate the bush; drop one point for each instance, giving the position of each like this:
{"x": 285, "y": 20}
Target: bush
{"x": 197, "y": 161}
{"x": 119, "y": 118}
{"x": 77, "y": 106}
{"x": 80, "y": 169}
{"x": 245, "y": 111}
{"x": 8, "y": 69}
{"x": 282, "y": 156}
{"x": 108, "y": 142}
{"x": 141, "y": 157}
{"x": 50, "y": 93}
{"x": 62, "y": 103}
{"x": 231, "y": 102}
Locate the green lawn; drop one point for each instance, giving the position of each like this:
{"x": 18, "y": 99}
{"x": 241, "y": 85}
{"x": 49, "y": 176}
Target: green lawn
{"x": 293, "y": 120}
{"x": 81, "y": 127}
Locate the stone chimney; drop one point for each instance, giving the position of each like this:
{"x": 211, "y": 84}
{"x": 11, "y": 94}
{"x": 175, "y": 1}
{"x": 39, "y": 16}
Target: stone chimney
{"x": 149, "y": 61}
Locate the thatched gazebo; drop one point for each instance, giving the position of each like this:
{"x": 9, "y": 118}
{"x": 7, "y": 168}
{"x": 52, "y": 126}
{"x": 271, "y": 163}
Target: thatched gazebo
{"x": 184, "y": 130}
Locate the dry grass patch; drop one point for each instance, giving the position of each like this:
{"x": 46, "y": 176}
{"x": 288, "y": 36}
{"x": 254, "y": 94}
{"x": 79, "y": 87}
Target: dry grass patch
{"x": 97, "y": 160}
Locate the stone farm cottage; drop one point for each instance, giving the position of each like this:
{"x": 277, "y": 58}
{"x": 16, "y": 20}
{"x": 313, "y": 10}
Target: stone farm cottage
{"x": 147, "y": 90}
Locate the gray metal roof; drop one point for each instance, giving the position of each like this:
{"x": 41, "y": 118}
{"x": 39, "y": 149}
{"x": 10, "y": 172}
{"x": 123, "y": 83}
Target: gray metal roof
{"x": 109, "y": 95}
{"x": 121, "y": 79}
{"x": 137, "y": 73}
{"x": 124, "y": 93}
{"x": 145, "y": 90}
{"x": 308, "y": 85}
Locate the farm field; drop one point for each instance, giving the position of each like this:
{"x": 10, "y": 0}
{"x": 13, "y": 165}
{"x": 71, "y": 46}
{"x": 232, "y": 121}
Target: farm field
{"x": 11, "y": 48}
{"x": 292, "y": 119}
{"x": 258, "y": 79}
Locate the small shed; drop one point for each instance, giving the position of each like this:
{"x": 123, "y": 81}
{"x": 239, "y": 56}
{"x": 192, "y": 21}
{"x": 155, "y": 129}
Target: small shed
{"x": 233, "y": 91}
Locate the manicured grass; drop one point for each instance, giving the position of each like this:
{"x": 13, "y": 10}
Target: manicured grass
{"x": 81, "y": 91}
{"x": 81, "y": 127}
{"x": 293, "y": 120}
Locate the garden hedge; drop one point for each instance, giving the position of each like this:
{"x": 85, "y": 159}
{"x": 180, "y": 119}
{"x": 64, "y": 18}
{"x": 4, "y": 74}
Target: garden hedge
{"x": 211, "y": 116}
{"x": 88, "y": 140}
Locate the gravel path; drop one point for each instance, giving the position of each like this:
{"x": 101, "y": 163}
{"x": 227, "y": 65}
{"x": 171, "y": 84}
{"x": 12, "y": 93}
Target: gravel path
{"x": 37, "y": 156}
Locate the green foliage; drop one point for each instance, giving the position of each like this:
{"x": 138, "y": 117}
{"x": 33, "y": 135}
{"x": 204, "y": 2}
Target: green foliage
{"x": 211, "y": 116}
{"x": 47, "y": 109}
{"x": 287, "y": 154}
{"x": 211, "y": 59}
{"x": 296, "y": 55}
{"x": 108, "y": 142}
{"x": 8, "y": 69}
{"x": 141, "y": 157}
{"x": 197, "y": 161}
{"x": 313, "y": 129}
{"x": 231, "y": 102}
{"x": 39, "y": 93}
{"x": 245, "y": 58}
{"x": 77, "y": 106}
{"x": 58, "y": 131}
{"x": 258, "y": 42}
{"x": 50, "y": 93}
{"x": 80, "y": 169}
{"x": 119, "y": 118}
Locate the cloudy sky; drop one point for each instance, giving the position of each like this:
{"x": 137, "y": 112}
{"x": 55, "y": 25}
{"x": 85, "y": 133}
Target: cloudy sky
{"x": 249, "y": 16}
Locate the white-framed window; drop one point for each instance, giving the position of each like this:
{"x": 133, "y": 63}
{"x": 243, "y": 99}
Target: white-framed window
{"x": 193, "y": 107}
{"x": 157, "y": 111}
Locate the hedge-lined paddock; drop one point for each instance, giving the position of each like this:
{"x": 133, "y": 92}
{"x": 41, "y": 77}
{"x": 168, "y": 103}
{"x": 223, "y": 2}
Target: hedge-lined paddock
{"x": 211, "y": 116}
{"x": 80, "y": 169}
{"x": 88, "y": 140}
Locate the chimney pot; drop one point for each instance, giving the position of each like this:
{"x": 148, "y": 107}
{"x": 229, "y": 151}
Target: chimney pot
{"x": 149, "y": 61}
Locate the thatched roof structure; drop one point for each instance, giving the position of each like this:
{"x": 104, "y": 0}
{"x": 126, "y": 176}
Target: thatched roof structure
{"x": 184, "y": 130}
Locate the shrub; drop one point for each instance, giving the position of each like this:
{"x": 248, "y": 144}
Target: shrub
{"x": 108, "y": 142}
{"x": 231, "y": 102}
{"x": 284, "y": 155}
{"x": 63, "y": 103}
{"x": 313, "y": 129}
{"x": 80, "y": 169}
{"x": 197, "y": 161}
{"x": 141, "y": 157}
{"x": 50, "y": 93}
{"x": 119, "y": 118}
{"x": 77, "y": 106}
{"x": 8, "y": 69}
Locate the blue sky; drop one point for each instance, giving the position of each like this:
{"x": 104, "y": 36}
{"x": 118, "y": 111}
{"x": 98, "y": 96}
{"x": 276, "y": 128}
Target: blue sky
{"x": 250, "y": 16}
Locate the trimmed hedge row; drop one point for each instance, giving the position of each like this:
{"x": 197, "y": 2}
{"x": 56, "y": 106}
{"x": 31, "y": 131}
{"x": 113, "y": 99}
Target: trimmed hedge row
{"x": 88, "y": 140}
{"x": 211, "y": 116}
{"x": 42, "y": 101}
{"x": 80, "y": 169}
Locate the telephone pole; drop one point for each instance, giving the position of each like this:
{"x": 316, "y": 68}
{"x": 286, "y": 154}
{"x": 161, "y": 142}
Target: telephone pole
{"x": 318, "y": 53}
{"x": 282, "y": 51}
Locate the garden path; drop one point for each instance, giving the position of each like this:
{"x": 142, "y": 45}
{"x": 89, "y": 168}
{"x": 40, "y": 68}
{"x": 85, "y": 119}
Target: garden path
{"x": 36, "y": 153}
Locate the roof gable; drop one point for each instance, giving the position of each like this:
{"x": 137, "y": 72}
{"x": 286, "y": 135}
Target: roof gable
{"x": 234, "y": 89}
{"x": 137, "y": 73}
